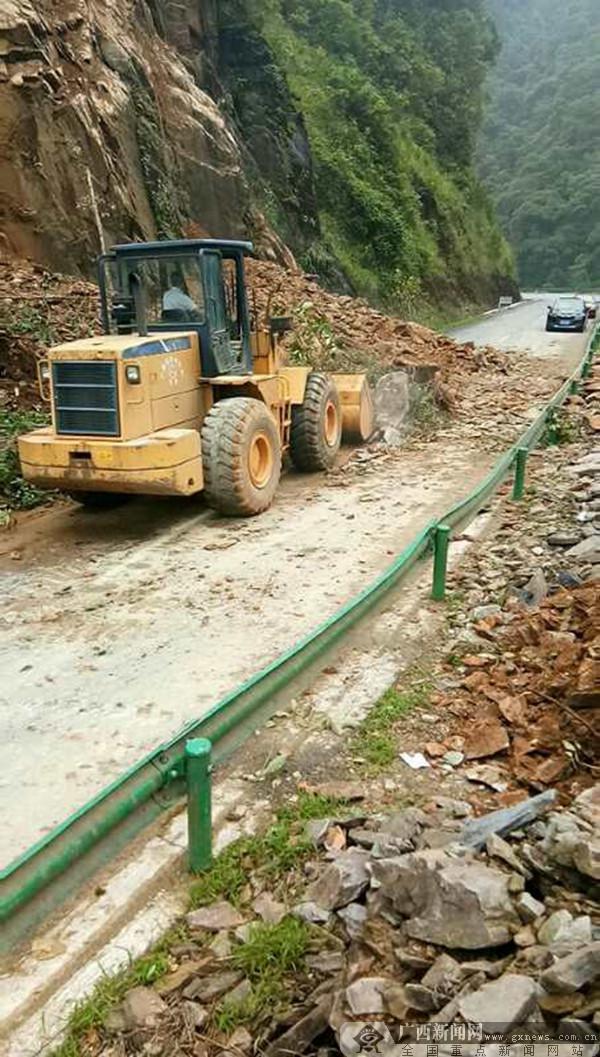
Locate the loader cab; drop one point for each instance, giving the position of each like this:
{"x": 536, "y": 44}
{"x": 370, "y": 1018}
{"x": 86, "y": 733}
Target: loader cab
{"x": 185, "y": 285}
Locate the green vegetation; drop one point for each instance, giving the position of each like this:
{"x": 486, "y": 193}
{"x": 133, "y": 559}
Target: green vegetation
{"x": 15, "y": 493}
{"x": 540, "y": 150}
{"x": 92, "y": 1013}
{"x": 390, "y": 98}
{"x": 375, "y": 740}
{"x": 269, "y": 954}
{"x": 281, "y": 848}
{"x": 561, "y": 428}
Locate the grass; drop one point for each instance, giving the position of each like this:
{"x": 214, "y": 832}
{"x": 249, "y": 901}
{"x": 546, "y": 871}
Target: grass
{"x": 15, "y": 492}
{"x": 277, "y": 851}
{"x": 270, "y": 953}
{"x": 375, "y": 739}
{"x": 91, "y": 1014}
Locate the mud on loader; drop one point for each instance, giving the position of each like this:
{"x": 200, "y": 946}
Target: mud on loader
{"x": 185, "y": 391}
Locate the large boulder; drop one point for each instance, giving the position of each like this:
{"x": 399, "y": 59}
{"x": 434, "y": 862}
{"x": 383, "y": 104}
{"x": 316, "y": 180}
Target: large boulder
{"x": 449, "y": 901}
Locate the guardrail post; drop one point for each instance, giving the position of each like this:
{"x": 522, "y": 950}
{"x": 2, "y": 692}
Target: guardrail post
{"x": 520, "y": 467}
{"x": 574, "y": 387}
{"x": 199, "y": 807}
{"x": 441, "y": 540}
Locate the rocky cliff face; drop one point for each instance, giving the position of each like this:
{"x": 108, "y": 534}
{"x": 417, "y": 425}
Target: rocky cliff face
{"x": 113, "y": 116}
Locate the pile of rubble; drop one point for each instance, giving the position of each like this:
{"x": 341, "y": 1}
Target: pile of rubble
{"x": 417, "y": 918}
{"x": 331, "y": 332}
{"x": 340, "y": 333}
{"x": 38, "y": 308}
{"x": 531, "y": 695}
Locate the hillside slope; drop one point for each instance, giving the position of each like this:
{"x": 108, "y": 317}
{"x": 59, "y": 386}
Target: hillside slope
{"x": 540, "y": 150}
{"x": 342, "y": 129}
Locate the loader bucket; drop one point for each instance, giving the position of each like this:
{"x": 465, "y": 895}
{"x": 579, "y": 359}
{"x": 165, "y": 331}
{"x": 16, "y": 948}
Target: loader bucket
{"x": 358, "y": 419}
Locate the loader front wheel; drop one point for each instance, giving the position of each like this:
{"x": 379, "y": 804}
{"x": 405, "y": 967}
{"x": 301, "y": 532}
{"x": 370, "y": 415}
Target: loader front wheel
{"x": 316, "y": 425}
{"x": 241, "y": 457}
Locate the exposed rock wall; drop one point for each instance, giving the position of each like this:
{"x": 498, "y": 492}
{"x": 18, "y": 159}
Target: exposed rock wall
{"x": 111, "y": 88}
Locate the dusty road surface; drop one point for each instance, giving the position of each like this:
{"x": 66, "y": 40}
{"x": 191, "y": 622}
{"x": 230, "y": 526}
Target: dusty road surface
{"x": 118, "y": 629}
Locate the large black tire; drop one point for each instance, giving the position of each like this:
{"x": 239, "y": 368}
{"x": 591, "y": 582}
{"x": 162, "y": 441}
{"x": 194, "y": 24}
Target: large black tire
{"x": 241, "y": 457}
{"x": 316, "y": 425}
{"x": 99, "y": 500}
{"x": 549, "y": 328}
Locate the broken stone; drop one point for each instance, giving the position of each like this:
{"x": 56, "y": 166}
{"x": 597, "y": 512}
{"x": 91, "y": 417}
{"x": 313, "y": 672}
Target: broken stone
{"x": 299, "y": 1037}
{"x": 574, "y": 971}
{"x": 586, "y": 856}
{"x": 207, "y": 988}
{"x": 142, "y": 1007}
{"x": 486, "y": 774}
{"x": 453, "y": 808}
{"x": 453, "y": 758}
{"x": 506, "y": 1001}
{"x": 195, "y": 1016}
{"x": 535, "y": 590}
{"x": 221, "y": 945}
{"x": 423, "y": 998}
{"x": 180, "y": 976}
{"x": 563, "y": 539}
{"x": 215, "y": 918}
{"x": 444, "y": 976}
{"x": 354, "y": 917}
{"x": 498, "y": 848}
{"x": 240, "y": 993}
{"x": 326, "y": 962}
{"x": 312, "y": 913}
{"x": 365, "y": 996}
{"x": 563, "y": 835}
{"x": 476, "y": 832}
{"x": 269, "y": 909}
{"x": 525, "y": 937}
{"x": 487, "y": 737}
{"x": 587, "y": 551}
{"x": 449, "y": 902}
{"x": 240, "y": 1040}
{"x": 529, "y": 909}
{"x": 563, "y": 934}
{"x": 342, "y": 882}
{"x": 536, "y": 957}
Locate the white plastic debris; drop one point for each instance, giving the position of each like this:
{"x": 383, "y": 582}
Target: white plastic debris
{"x": 415, "y": 760}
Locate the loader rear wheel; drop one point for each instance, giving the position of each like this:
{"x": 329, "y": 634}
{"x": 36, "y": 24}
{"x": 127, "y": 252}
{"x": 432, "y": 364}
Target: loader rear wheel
{"x": 99, "y": 500}
{"x": 241, "y": 457}
{"x": 316, "y": 425}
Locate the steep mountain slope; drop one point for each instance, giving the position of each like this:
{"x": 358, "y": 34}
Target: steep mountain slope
{"x": 540, "y": 151}
{"x": 342, "y": 129}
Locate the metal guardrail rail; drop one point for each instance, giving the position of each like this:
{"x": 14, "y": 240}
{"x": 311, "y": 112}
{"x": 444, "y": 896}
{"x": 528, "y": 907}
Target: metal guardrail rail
{"x": 46, "y": 874}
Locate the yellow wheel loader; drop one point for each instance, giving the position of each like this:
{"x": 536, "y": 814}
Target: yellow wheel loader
{"x": 185, "y": 391}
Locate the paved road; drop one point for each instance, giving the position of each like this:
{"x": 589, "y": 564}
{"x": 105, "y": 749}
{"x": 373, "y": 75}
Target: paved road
{"x": 117, "y": 630}
{"x": 519, "y": 329}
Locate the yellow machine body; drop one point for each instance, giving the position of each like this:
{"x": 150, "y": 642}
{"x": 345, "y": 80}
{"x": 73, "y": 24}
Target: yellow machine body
{"x": 128, "y": 408}
{"x": 158, "y": 448}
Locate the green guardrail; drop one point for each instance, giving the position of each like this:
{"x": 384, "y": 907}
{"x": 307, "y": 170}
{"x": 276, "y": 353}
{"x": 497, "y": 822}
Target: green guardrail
{"x": 46, "y": 874}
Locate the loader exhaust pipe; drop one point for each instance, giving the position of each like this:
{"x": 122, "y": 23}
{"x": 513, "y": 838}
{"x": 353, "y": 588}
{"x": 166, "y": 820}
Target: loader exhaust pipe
{"x": 138, "y": 293}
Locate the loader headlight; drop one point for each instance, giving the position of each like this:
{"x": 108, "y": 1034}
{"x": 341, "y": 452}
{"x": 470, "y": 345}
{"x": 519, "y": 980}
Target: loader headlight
{"x": 132, "y": 374}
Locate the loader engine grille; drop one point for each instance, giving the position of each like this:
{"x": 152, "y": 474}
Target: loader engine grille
{"x": 85, "y": 397}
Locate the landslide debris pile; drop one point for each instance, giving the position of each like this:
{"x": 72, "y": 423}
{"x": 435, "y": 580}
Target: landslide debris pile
{"x": 532, "y": 695}
{"x": 38, "y": 308}
{"x": 412, "y": 922}
{"x": 345, "y": 333}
